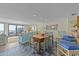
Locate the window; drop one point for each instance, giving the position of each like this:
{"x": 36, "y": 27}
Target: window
{"x": 15, "y": 29}
{"x": 1, "y": 28}
{"x": 34, "y": 28}
{"x": 12, "y": 29}
{"x": 19, "y": 28}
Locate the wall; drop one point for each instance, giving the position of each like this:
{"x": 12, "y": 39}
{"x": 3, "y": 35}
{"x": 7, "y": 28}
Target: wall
{"x": 14, "y": 21}
{"x": 7, "y": 21}
{"x": 6, "y": 28}
{"x": 65, "y": 25}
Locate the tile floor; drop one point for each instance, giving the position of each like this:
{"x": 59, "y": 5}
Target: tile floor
{"x": 16, "y": 49}
{"x": 21, "y": 50}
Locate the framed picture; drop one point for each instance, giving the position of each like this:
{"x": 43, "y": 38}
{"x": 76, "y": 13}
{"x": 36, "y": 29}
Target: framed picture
{"x": 52, "y": 27}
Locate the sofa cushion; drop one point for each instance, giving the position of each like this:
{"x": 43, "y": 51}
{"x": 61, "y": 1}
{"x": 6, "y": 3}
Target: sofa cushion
{"x": 69, "y": 38}
{"x": 69, "y": 45}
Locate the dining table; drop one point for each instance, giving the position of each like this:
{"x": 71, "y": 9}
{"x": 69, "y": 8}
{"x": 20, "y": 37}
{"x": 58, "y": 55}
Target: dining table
{"x": 39, "y": 39}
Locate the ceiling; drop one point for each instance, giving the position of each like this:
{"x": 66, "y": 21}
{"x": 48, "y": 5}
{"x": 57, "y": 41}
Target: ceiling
{"x": 38, "y": 12}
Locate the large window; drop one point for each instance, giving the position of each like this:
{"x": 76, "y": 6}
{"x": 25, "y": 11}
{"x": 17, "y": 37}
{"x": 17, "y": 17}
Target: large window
{"x": 20, "y": 28}
{"x": 12, "y": 29}
{"x": 1, "y": 28}
{"x": 34, "y": 28}
{"x": 15, "y": 29}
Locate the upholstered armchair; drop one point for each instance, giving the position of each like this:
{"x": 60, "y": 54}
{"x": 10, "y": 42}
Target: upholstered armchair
{"x": 3, "y": 39}
{"x": 26, "y": 37}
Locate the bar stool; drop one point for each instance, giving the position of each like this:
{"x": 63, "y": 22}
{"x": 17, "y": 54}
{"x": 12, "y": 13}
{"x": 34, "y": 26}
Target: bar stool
{"x": 48, "y": 44}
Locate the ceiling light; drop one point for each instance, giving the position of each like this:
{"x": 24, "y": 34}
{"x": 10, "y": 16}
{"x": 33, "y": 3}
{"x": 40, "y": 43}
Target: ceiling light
{"x": 73, "y": 14}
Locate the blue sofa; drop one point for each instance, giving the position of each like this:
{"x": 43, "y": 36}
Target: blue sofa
{"x": 69, "y": 38}
{"x": 24, "y": 38}
{"x": 69, "y": 45}
{"x": 68, "y": 42}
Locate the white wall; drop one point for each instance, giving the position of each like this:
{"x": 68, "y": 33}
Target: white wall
{"x": 62, "y": 23}
{"x": 6, "y": 28}
{"x": 6, "y": 21}
{"x": 63, "y": 26}
{"x": 14, "y": 21}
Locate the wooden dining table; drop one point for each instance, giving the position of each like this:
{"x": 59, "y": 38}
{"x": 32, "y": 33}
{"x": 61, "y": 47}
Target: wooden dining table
{"x": 39, "y": 39}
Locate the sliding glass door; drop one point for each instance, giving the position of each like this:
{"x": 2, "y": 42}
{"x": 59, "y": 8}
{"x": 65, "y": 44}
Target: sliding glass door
{"x": 15, "y": 29}
{"x": 12, "y": 30}
{"x": 1, "y": 28}
{"x": 20, "y": 29}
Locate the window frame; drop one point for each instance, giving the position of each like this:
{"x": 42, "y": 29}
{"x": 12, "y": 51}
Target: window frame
{"x": 17, "y": 26}
{"x": 16, "y": 29}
